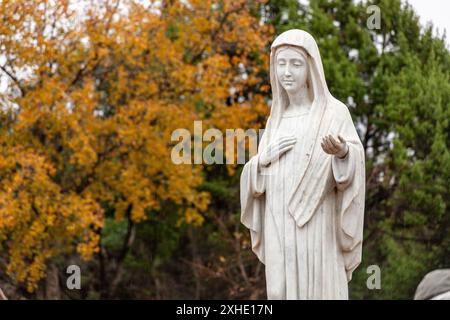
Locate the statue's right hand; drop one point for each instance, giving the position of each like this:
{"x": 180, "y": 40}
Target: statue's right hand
{"x": 276, "y": 149}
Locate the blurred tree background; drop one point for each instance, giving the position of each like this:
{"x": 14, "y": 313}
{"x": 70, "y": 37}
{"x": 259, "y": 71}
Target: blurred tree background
{"x": 92, "y": 90}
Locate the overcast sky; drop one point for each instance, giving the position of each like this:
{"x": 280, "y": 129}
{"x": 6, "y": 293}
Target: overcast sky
{"x": 436, "y": 11}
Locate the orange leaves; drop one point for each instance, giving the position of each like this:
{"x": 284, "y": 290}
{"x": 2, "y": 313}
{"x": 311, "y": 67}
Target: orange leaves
{"x": 37, "y": 214}
{"x": 102, "y": 94}
{"x": 191, "y": 216}
{"x": 83, "y": 154}
{"x": 214, "y": 77}
{"x": 89, "y": 246}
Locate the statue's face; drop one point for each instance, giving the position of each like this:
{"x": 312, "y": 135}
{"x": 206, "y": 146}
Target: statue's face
{"x": 291, "y": 69}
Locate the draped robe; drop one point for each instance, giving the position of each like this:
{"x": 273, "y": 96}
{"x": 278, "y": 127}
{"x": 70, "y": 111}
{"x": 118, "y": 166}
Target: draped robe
{"x": 305, "y": 211}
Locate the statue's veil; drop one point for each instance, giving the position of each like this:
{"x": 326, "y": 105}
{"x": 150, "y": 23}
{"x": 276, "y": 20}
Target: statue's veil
{"x": 302, "y": 39}
{"x": 309, "y": 186}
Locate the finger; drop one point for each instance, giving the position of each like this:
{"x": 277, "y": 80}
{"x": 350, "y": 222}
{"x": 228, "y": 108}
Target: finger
{"x": 287, "y": 139}
{"x": 341, "y": 138}
{"x": 282, "y": 149}
{"x": 279, "y": 153}
{"x": 287, "y": 136}
{"x": 335, "y": 143}
{"x": 290, "y": 140}
{"x": 278, "y": 141}
{"x": 330, "y": 145}
{"x": 325, "y": 148}
{"x": 334, "y": 147}
{"x": 287, "y": 143}
{"x": 282, "y": 142}
{"x": 285, "y": 149}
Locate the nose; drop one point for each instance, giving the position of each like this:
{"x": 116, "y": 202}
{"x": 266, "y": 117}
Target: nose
{"x": 287, "y": 72}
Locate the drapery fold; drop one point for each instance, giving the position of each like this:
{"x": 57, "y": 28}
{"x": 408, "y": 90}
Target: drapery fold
{"x": 318, "y": 174}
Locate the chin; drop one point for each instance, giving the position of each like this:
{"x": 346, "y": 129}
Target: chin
{"x": 291, "y": 89}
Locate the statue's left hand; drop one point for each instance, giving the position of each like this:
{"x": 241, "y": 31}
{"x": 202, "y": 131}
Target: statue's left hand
{"x": 335, "y": 146}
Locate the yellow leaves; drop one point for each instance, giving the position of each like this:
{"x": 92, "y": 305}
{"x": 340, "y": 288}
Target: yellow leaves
{"x": 89, "y": 247}
{"x": 138, "y": 212}
{"x": 186, "y": 77}
{"x": 102, "y": 97}
{"x": 136, "y": 192}
{"x": 214, "y": 77}
{"x": 83, "y": 99}
{"x": 201, "y": 24}
{"x": 83, "y": 153}
{"x": 71, "y": 229}
{"x": 191, "y": 216}
{"x": 202, "y": 201}
{"x": 35, "y": 213}
{"x": 36, "y": 271}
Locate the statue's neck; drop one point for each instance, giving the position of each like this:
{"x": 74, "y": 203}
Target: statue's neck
{"x": 299, "y": 102}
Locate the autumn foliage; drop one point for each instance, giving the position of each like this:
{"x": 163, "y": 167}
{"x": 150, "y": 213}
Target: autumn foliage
{"x": 93, "y": 92}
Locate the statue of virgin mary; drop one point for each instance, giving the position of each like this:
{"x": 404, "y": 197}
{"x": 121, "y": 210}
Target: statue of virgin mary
{"x": 302, "y": 194}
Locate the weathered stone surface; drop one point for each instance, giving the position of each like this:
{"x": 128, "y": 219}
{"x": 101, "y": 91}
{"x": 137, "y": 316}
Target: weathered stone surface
{"x": 302, "y": 195}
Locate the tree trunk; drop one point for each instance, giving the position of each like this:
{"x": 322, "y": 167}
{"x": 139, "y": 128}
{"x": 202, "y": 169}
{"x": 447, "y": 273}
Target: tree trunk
{"x": 196, "y": 261}
{"x": 52, "y": 288}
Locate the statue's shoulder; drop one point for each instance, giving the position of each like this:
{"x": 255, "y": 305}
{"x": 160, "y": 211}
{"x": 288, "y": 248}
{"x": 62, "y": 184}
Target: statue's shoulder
{"x": 339, "y": 111}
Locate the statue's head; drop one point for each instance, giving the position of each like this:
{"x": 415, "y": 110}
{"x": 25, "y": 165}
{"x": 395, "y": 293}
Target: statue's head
{"x": 295, "y": 56}
{"x": 295, "y": 62}
{"x": 292, "y": 68}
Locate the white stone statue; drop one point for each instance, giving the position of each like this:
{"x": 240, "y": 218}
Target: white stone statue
{"x": 302, "y": 194}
